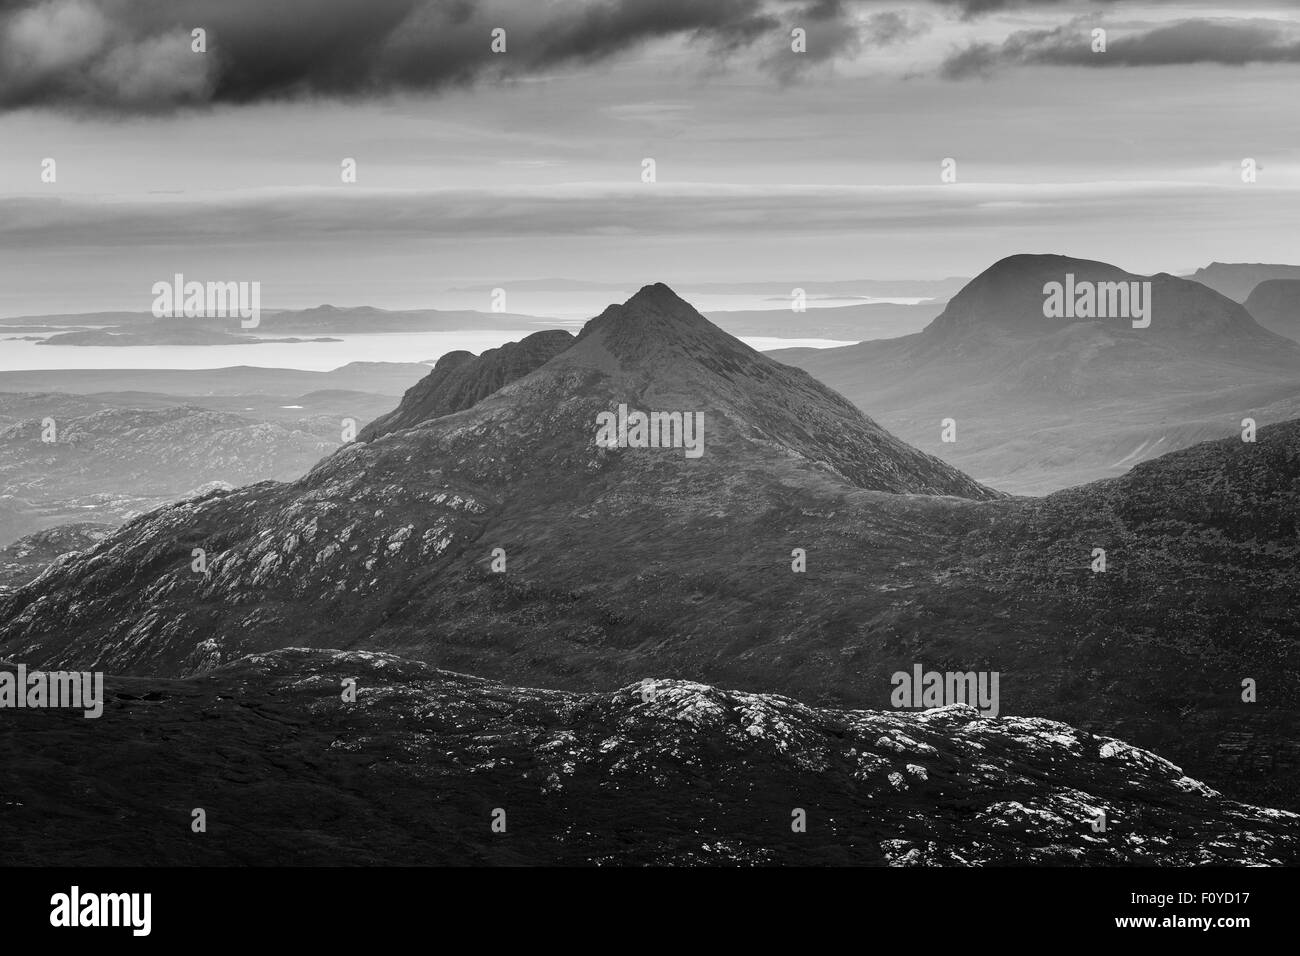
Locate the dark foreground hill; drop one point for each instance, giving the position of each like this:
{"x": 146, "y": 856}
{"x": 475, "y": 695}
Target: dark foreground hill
{"x": 1044, "y": 403}
{"x": 417, "y": 769}
{"x": 503, "y": 541}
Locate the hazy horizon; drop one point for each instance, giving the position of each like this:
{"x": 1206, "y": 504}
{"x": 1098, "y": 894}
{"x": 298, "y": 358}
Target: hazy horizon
{"x": 476, "y": 167}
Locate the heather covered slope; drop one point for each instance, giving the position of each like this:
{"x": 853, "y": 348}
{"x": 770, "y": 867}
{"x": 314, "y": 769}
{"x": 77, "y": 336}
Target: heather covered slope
{"x": 623, "y": 562}
{"x": 413, "y": 771}
{"x": 1042, "y": 404}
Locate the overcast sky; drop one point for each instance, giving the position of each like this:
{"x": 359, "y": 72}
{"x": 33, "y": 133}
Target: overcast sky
{"x": 477, "y": 167}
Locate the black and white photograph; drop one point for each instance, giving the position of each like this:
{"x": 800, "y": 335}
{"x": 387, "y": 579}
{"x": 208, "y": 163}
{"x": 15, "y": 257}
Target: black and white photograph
{"x": 650, "y": 435}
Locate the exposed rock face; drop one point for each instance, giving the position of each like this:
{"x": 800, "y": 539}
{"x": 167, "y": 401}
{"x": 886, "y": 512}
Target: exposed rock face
{"x": 677, "y": 772}
{"x": 460, "y": 380}
{"x": 26, "y": 558}
{"x": 1275, "y": 304}
{"x": 622, "y": 562}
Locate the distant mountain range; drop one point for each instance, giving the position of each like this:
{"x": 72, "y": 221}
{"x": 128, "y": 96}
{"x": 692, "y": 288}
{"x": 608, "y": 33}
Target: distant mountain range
{"x": 875, "y": 288}
{"x": 419, "y": 768}
{"x": 846, "y": 322}
{"x": 185, "y": 332}
{"x": 1275, "y": 304}
{"x": 1237, "y": 280}
{"x": 626, "y": 562}
{"x": 1042, "y": 404}
{"x": 142, "y": 328}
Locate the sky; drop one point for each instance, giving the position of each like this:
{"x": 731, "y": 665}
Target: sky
{"x": 478, "y": 167}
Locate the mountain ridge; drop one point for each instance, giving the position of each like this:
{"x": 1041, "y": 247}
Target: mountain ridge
{"x": 802, "y": 554}
{"x": 1043, "y": 403}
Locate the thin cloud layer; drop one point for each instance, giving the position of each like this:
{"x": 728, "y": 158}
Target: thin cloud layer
{"x": 1224, "y": 42}
{"x": 591, "y": 210}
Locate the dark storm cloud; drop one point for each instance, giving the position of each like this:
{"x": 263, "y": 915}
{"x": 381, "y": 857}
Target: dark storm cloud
{"x": 1225, "y": 42}
{"x": 838, "y": 29}
{"x": 892, "y": 26}
{"x": 135, "y": 55}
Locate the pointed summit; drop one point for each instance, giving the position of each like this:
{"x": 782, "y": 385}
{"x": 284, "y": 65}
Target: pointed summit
{"x": 653, "y": 326}
{"x": 652, "y": 304}
{"x": 657, "y": 295}
{"x": 381, "y": 545}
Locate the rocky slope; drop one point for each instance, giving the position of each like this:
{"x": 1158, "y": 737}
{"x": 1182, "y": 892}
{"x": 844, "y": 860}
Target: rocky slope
{"x": 112, "y": 462}
{"x": 622, "y": 562}
{"x": 669, "y": 772}
{"x": 460, "y": 380}
{"x": 26, "y": 558}
{"x": 1043, "y": 404}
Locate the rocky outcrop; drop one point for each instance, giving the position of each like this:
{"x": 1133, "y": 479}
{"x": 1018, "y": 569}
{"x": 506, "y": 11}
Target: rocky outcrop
{"x": 419, "y": 767}
{"x": 26, "y": 558}
{"x": 461, "y": 380}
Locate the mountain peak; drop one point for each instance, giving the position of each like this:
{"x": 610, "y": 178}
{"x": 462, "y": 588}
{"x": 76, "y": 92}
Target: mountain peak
{"x": 1010, "y": 296}
{"x": 652, "y": 304}
{"x": 655, "y": 329}
{"x": 658, "y": 295}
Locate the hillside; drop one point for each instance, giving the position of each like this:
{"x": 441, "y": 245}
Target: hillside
{"x": 1237, "y": 280}
{"x": 621, "y": 562}
{"x": 110, "y": 462}
{"x": 1275, "y": 304}
{"x": 414, "y": 771}
{"x": 26, "y": 558}
{"x": 460, "y": 380}
{"x": 1043, "y": 404}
